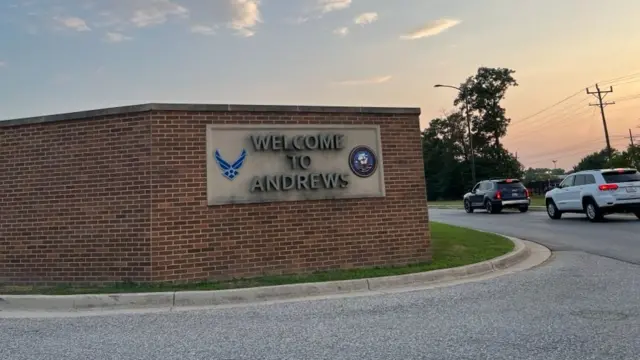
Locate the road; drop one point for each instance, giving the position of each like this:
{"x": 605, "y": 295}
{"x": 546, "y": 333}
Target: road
{"x": 577, "y": 306}
{"x": 617, "y": 238}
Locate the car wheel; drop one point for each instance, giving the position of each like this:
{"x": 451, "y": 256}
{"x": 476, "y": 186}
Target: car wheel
{"x": 593, "y": 211}
{"x": 467, "y": 207}
{"x": 523, "y": 209}
{"x": 552, "y": 210}
{"x": 491, "y": 209}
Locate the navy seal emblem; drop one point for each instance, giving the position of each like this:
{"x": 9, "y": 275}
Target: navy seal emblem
{"x": 230, "y": 171}
{"x": 363, "y": 161}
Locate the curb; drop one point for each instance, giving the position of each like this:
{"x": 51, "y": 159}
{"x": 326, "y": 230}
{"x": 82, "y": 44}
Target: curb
{"x": 531, "y": 208}
{"x": 173, "y": 299}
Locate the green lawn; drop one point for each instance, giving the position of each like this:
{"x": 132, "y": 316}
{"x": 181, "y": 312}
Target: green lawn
{"x": 535, "y": 201}
{"x": 452, "y": 246}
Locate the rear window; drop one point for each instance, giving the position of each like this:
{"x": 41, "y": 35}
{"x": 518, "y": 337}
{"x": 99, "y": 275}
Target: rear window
{"x": 621, "y": 177}
{"x": 513, "y": 184}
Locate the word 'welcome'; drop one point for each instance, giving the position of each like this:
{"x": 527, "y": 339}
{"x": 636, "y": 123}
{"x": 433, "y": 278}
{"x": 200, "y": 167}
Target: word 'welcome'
{"x": 298, "y": 142}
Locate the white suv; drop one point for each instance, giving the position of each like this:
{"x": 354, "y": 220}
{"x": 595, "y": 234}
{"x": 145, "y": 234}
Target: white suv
{"x": 596, "y": 193}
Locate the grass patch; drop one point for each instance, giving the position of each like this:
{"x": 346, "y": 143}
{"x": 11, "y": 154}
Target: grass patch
{"x": 535, "y": 201}
{"x": 452, "y": 246}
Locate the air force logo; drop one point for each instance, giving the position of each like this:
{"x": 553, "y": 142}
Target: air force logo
{"x": 230, "y": 171}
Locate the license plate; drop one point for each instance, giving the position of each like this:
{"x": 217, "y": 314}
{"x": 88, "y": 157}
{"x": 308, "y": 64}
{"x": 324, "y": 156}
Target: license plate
{"x": 515, "y": 193}
{"x": 631, "y": 189}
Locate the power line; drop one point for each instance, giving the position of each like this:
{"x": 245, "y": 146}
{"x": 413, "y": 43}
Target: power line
{"x": 629, "y": 97}
{"x": 551, "y": 106}
{"x": 574, "y": 105}
{"x": 558, "y": 122}
{"x": 584, "y": 151}
{"x": 621, "y": 80}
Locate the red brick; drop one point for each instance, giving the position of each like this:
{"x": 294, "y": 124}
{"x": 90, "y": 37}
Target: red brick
{"x": 123, "y": 197}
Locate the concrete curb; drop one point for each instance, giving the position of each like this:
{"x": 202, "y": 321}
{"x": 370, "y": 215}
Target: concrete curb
{"x": 531, "y": 208}
{"x": 168, "y": 300}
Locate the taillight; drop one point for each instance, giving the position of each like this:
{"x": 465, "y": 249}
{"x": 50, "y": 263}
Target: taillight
{"x": 526, "y": 192}
{"x": 499, "y": 195}
{"x": 608, "y": 187}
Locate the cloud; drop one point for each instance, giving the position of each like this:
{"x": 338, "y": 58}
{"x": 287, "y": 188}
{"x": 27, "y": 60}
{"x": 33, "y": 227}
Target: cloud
{"x": 156, "y": 12}
{"x": 241, "y": 17}
{"x": 333, "y": 5}
{"x": 245, "y": 16}
{"x": 343, "y": 31}
{"x": 3, "y": 64}
{"x": 431, "y": 29}
{"x": 115, "y": 37}
{"x": 203, "y": 30}
{"x": 375, "y": 80}
{"x": 366, "y": 18}
{"x": 74, "y": 23}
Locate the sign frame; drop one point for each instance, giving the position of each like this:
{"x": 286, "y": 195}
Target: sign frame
{"x": 212, "y": 168}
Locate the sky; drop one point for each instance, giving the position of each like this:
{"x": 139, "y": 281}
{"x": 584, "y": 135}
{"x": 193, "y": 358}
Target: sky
{"x": 67, "y": 55}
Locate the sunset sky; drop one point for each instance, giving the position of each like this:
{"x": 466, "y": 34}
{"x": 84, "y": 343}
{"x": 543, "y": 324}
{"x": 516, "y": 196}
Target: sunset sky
{"x": 68, "y": 55}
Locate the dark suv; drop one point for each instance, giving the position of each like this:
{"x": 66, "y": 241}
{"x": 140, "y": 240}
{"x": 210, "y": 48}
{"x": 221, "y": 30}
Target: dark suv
{"x": 495, "y": 195}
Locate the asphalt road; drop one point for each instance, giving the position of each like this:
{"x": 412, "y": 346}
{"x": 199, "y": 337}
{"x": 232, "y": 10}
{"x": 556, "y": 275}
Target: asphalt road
{"x": 618, "y": 237}
{"x": 576, "y": 306}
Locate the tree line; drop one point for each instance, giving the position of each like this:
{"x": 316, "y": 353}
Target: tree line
{"x": 446, "y": 150}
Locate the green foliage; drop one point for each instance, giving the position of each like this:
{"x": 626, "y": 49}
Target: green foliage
{"x": 483, "y": 93}
{"x": 600, "y": 159}
{"x": 445, "y": 142}
{"x": 539, "y": 174}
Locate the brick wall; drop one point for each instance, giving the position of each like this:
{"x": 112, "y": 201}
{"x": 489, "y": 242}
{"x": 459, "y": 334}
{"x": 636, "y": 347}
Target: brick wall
{"x": 124, "y": 197}
{"x": 75, "y": 200}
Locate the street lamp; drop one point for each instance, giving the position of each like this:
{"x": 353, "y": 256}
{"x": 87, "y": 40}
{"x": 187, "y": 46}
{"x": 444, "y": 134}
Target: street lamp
{"x": 468, "y": 118}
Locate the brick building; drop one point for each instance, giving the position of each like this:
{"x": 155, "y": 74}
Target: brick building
{"x": 120, "y": 194}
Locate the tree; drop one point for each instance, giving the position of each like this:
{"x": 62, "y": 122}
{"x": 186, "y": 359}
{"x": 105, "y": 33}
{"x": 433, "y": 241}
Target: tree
{"x": 483, "y": 93}
{"x": 632, "y": 156}
{"x": 538, "y": 174}
{"x": 600, "y": 160}
{"x": 446, "y": 145}
{"x": 445, "y": 155}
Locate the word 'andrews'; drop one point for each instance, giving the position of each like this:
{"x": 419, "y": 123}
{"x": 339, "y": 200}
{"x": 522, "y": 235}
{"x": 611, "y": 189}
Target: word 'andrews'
{"x": 298, "y": 181}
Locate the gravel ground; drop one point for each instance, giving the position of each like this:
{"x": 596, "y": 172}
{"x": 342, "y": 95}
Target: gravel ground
{"x": 577, "y": 306}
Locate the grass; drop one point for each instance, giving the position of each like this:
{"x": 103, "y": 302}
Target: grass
{"x": 535, "y": 201}
{"x": 452, "y": 246}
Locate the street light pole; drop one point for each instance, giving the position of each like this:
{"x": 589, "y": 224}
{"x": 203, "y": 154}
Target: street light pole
{"x": 468, "y": 118}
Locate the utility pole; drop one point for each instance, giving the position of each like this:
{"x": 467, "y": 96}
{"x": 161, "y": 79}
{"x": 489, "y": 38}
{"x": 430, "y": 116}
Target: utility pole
{"x": 600, "y": 95}
{"x": 634, "y": 151}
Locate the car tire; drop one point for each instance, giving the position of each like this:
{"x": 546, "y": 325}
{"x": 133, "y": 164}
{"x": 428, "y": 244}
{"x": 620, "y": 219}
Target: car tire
{"x": 467, "y": 207}
{"x": 552, "y": 210}
{"x": 523, "y": 209}
{"x": 491, "y": 209}
{"x": 591, "y": 209}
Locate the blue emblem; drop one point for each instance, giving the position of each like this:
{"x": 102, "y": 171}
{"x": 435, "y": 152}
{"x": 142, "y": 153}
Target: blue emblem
{"x": 363, "y": 161}
{"x": 230, "y": 171}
